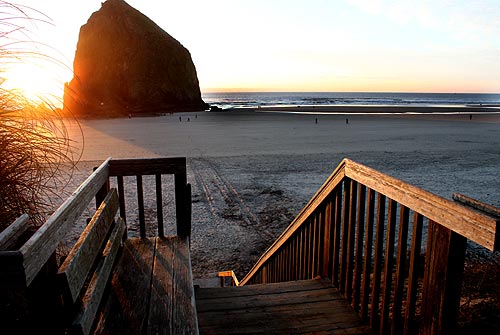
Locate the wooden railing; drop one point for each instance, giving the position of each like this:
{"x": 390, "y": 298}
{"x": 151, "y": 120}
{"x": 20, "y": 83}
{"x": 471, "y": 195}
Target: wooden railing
{"x": 156, "y": 167}
{"x": 28, "y": 269}
{"x": 401, "y": 275}
{"x": 21, "y": 265}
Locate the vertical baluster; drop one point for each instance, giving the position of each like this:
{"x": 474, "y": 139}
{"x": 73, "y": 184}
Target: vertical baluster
{"x": 327, "y": 238}
{"x": 140, "y": 203}
{"x": 377, "y": 261}
{"x": 159, "y": 205}
{"x": 344, "y": 237}
{"x": 351, "y": 236}
{"x": 181, "y": 210}
{"x": 389, "y": 263}
{"x": 121, "y": 196}
{"x": 358, "y": 255}
{"x": 302, "y": 254}
{"x": 307, "y": 242}
{"x": 295, "y": 257}
{"x": 281, "y": 269}
{"x": 336, "y": 239}
{"x": 442, "y": 281}
{"x": 314, "y": 245}
{"x": 319, "y": 243}
{"x": 399, "y": 280}
{"x": 411, "y": 295}
{"x": 370, "y": 218}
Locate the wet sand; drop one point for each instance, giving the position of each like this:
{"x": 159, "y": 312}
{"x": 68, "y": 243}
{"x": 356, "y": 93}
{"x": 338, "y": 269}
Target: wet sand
{"x": 252, "y": 171}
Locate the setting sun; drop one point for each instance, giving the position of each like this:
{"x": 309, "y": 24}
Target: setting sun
{"x": 35, "y": 82}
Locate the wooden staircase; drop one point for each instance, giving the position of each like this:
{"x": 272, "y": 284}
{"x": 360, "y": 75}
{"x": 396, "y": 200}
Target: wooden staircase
{"x": 296, "y": 307}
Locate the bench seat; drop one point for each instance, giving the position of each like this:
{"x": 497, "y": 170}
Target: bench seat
{"x": 151, "y": 290}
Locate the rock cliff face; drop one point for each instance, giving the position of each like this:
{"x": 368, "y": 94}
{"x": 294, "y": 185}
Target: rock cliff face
{"x": 125, "y": 64}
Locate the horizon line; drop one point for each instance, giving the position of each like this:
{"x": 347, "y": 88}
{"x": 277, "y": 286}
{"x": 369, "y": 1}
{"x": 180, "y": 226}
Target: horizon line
{"x": 231, "y": 90}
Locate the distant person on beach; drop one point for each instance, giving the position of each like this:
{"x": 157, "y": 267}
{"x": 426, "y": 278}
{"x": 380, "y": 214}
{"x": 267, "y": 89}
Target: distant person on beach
{"x": 180, "y": 119}
{"x": 346, "y": 121}
{"x": 189, "y": 119}
{"x": 316, "y": 120}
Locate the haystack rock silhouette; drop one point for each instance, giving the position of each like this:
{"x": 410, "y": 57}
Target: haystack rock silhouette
{"x": 125, "y": 64}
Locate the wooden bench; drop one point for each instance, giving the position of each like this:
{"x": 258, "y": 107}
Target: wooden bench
{"x": 87, "y": 268}
{"x": 88, "y": 288}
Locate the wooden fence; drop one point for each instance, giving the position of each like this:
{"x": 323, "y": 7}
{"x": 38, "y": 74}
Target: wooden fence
{"x": 394, "y": 251}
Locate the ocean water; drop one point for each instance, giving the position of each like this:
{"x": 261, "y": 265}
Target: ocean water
{"x": 253, "y": 99}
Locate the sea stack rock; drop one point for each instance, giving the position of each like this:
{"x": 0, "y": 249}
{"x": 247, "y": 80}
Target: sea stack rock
{"x": 126, "y": 64}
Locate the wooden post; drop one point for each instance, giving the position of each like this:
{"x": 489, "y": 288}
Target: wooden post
{"x": 103, "y": 191}
{"x": 442, "y": 280}
{"x": 180, "y": 204}
{"x": 159, "y": 205}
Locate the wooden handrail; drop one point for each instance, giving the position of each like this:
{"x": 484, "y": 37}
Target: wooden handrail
{"x": 447, "y": 213}
{"x": 42, "y": 244}
{"x": 231, "y": 274}
{"x": 357, "y": 230}
{"x": 37, "y": 250}
{"x": 10, "y": 236}
{"x": 335, "y": 178}
{"x": 477, "y": 205}
{"x": 436, "y": 208}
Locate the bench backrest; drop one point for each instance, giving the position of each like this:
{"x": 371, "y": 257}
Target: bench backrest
{"x": 91, "y": 261}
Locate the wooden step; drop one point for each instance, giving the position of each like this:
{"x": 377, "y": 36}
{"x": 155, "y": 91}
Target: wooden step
{"x": 298, "y": 307}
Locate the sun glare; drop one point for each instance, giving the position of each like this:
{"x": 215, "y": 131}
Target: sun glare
{"x": 34, "y": 81}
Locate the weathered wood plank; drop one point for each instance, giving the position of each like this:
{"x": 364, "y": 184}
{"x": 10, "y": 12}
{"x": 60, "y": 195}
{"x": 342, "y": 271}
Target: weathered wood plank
{"x": 152, "y": 166}
{"x": 172, "y": 306}
{"x": 93, "y": 295}
{"x": 37, "y": 250}
{"x": 351, "y": 237}
{"x": 377, "y": 261}
{"x": 477, "y": 205}
{"x": 370, "y": 219}
{"x": 442, "y": 280}
{"x": 358, "y": 255}
{"x": 9, "y": 237}
{"x": 252, "y": 301}
{"x": 185, "y": 319}
{"x": 121, "y": 196}
{"x": 411, "y": 295}
{"x": 162, "y": 303}
{"x": 76, "y": 268}
{"x": 336, "y": 238}
{"x": 159, "y": 205}
{"x": 126, "y": 309}
{"x": 181, "y": 204}
{"x": 447, "y": 213}
{"x": 388, "y": 266}
{"x": 274, "y": 288}
{"x": 328, "y": 242}
{"x": 293, "y": 310}
{"x": 344, "y": 235}
{"x": 399, "y": 280}
{"x": 140, "y": 207}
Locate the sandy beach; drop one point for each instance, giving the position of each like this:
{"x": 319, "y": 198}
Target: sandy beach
{"x": 253, "y": 171}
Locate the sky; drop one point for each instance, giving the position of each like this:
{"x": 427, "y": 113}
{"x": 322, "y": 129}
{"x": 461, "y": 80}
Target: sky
{"x": 300, "y": 45}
